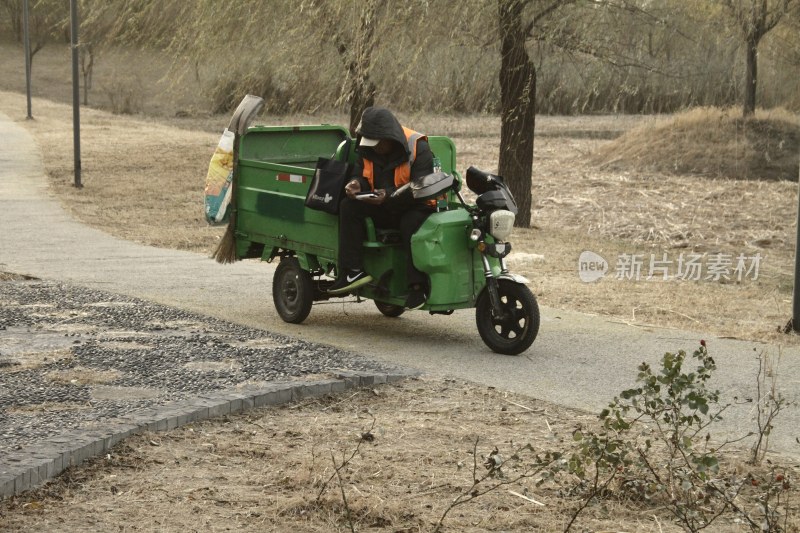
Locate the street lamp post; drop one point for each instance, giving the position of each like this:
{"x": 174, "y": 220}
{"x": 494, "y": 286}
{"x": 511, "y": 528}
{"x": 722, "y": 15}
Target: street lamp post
{"x": 796, "y": 297}
{"x": 27, "y": 40}
{"x": 76, "y": 113}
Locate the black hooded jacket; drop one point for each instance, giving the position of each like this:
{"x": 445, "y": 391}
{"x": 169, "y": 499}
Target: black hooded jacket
{"x": 380, "y": 123}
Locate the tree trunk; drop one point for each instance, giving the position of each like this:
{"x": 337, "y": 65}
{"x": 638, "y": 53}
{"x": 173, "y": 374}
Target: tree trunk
{"x": 87, "y": 68}
{"x": 517, "y": 113}
{"x": 751, "y": 77}
{"x": 362, "y": 89}
{"x": 14, "y": 10}
{"x": 363, "y": 96}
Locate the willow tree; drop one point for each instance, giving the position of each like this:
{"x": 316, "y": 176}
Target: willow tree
{"x": 517, "y": 106}
{"x": 44, "y": 21}
{"x": 755, "y": 19}
{"x": 13, "y": 10}
{"x": 361, "y": 88}
{"x": 354, "y": 37}
{"x": 518, "y": 94}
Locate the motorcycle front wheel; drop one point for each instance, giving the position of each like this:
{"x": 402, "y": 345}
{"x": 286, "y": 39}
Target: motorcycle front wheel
{"x": 515, "y": 330}
{"x": 292, "y": 291}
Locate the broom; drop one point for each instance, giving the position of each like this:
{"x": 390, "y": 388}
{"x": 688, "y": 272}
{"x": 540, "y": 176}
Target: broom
{"x": 247, "y": 109}
{"x": 226, "y": 248}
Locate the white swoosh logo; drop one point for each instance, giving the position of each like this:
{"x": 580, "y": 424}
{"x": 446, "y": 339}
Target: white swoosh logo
{"x": 351, "y": 280}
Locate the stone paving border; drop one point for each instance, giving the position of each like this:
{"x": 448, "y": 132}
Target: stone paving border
{"x": 34, "y": 465}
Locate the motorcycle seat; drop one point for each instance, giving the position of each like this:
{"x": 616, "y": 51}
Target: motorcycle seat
{"x": 388, "y": 236}
{"x": 380, "y": 237}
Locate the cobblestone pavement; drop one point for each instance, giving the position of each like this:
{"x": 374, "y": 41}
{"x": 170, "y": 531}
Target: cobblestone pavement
{"x": 77, "y": 361}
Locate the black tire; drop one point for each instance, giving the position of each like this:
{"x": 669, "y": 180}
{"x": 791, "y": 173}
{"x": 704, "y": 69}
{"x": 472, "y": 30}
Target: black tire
{"x": 292, "y": 291}
{"x": 390, "y": 310}
{"x": 515, "y": 331}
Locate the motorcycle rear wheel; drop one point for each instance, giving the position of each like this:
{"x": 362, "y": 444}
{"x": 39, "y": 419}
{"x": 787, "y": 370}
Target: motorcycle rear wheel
{"x": 514, "y": 331}
{"x": 292, "y": 291}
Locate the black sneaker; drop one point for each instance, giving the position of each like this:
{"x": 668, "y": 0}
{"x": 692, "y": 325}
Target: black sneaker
{"x": 348, "y": 281}
{"x": 416, "y": 299}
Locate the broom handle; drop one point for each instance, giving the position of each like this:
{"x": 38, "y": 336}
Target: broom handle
{"x": 235, "y": 173}
{"x": 247, "y": 109}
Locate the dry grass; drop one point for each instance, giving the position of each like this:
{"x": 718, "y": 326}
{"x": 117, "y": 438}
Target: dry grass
{"x": 273, "y": 470}
{"x": 137, "y": 174}
{"x": 11, "y": 276}
{"x": 711, "y": 142}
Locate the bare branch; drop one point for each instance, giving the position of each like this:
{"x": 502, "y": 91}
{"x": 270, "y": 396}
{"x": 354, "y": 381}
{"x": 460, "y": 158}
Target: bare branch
{"x": 549, "y": 10}
{"x": 345, "y": 462}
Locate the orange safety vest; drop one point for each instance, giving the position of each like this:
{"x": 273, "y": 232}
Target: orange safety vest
{"x": 402, "y": 173}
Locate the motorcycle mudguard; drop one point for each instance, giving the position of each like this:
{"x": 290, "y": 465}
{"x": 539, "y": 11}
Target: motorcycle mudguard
{"x": 516, "y": 278}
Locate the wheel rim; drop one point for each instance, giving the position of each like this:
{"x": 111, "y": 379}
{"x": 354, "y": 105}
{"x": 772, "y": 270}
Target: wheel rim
{"x": 290, "y": 292}
{"x": 514, "y": 322}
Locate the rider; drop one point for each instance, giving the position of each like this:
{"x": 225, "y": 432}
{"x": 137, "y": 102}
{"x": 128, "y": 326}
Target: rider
{"x": 390, "y": 156}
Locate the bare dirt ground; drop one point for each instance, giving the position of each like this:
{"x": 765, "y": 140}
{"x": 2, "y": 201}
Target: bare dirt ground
{"x": 392, "y": 458}
{"x": 276, "y": 469}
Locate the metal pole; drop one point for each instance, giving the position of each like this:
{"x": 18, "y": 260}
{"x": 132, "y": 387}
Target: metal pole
{"x": 795, "y": 296}
{"x": 76, "y": 110}
{"x": 27, "y": 40}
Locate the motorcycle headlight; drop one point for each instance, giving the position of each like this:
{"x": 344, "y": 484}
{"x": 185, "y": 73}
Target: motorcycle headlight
{"x": 501, "y": 222}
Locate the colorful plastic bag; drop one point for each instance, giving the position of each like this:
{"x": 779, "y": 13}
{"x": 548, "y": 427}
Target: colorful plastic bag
{"x": 219, "y": 180}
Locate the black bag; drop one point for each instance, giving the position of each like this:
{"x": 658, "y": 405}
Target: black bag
{"x": 327, "y": 185}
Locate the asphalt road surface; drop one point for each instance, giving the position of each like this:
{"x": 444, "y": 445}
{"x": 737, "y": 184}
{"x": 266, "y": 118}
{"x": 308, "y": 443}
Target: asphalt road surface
{"x": 578, "y": 360}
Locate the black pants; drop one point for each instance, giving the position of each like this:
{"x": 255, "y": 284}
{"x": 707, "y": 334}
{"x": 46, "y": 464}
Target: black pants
{"x": 353, "y": 231}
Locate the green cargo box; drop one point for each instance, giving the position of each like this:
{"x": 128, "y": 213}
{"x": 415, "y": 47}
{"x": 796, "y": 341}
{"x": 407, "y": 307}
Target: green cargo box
{"x": 276, "y": 165}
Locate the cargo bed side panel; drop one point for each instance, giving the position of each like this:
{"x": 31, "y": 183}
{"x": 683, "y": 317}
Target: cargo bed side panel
{"x": 275, "y": 170}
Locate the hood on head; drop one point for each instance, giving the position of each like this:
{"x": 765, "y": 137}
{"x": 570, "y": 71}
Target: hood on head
{"x": 380, "y": 123}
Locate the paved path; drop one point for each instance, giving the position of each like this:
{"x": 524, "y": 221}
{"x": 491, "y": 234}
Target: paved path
{"x": 578, "y": 360}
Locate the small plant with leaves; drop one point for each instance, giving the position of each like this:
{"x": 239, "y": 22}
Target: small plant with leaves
{"x": 654, "y": 444}
{"x": 774, "y": 499}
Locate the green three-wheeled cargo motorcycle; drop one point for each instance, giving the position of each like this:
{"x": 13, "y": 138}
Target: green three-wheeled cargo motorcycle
{"x": 461, "y": 247}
